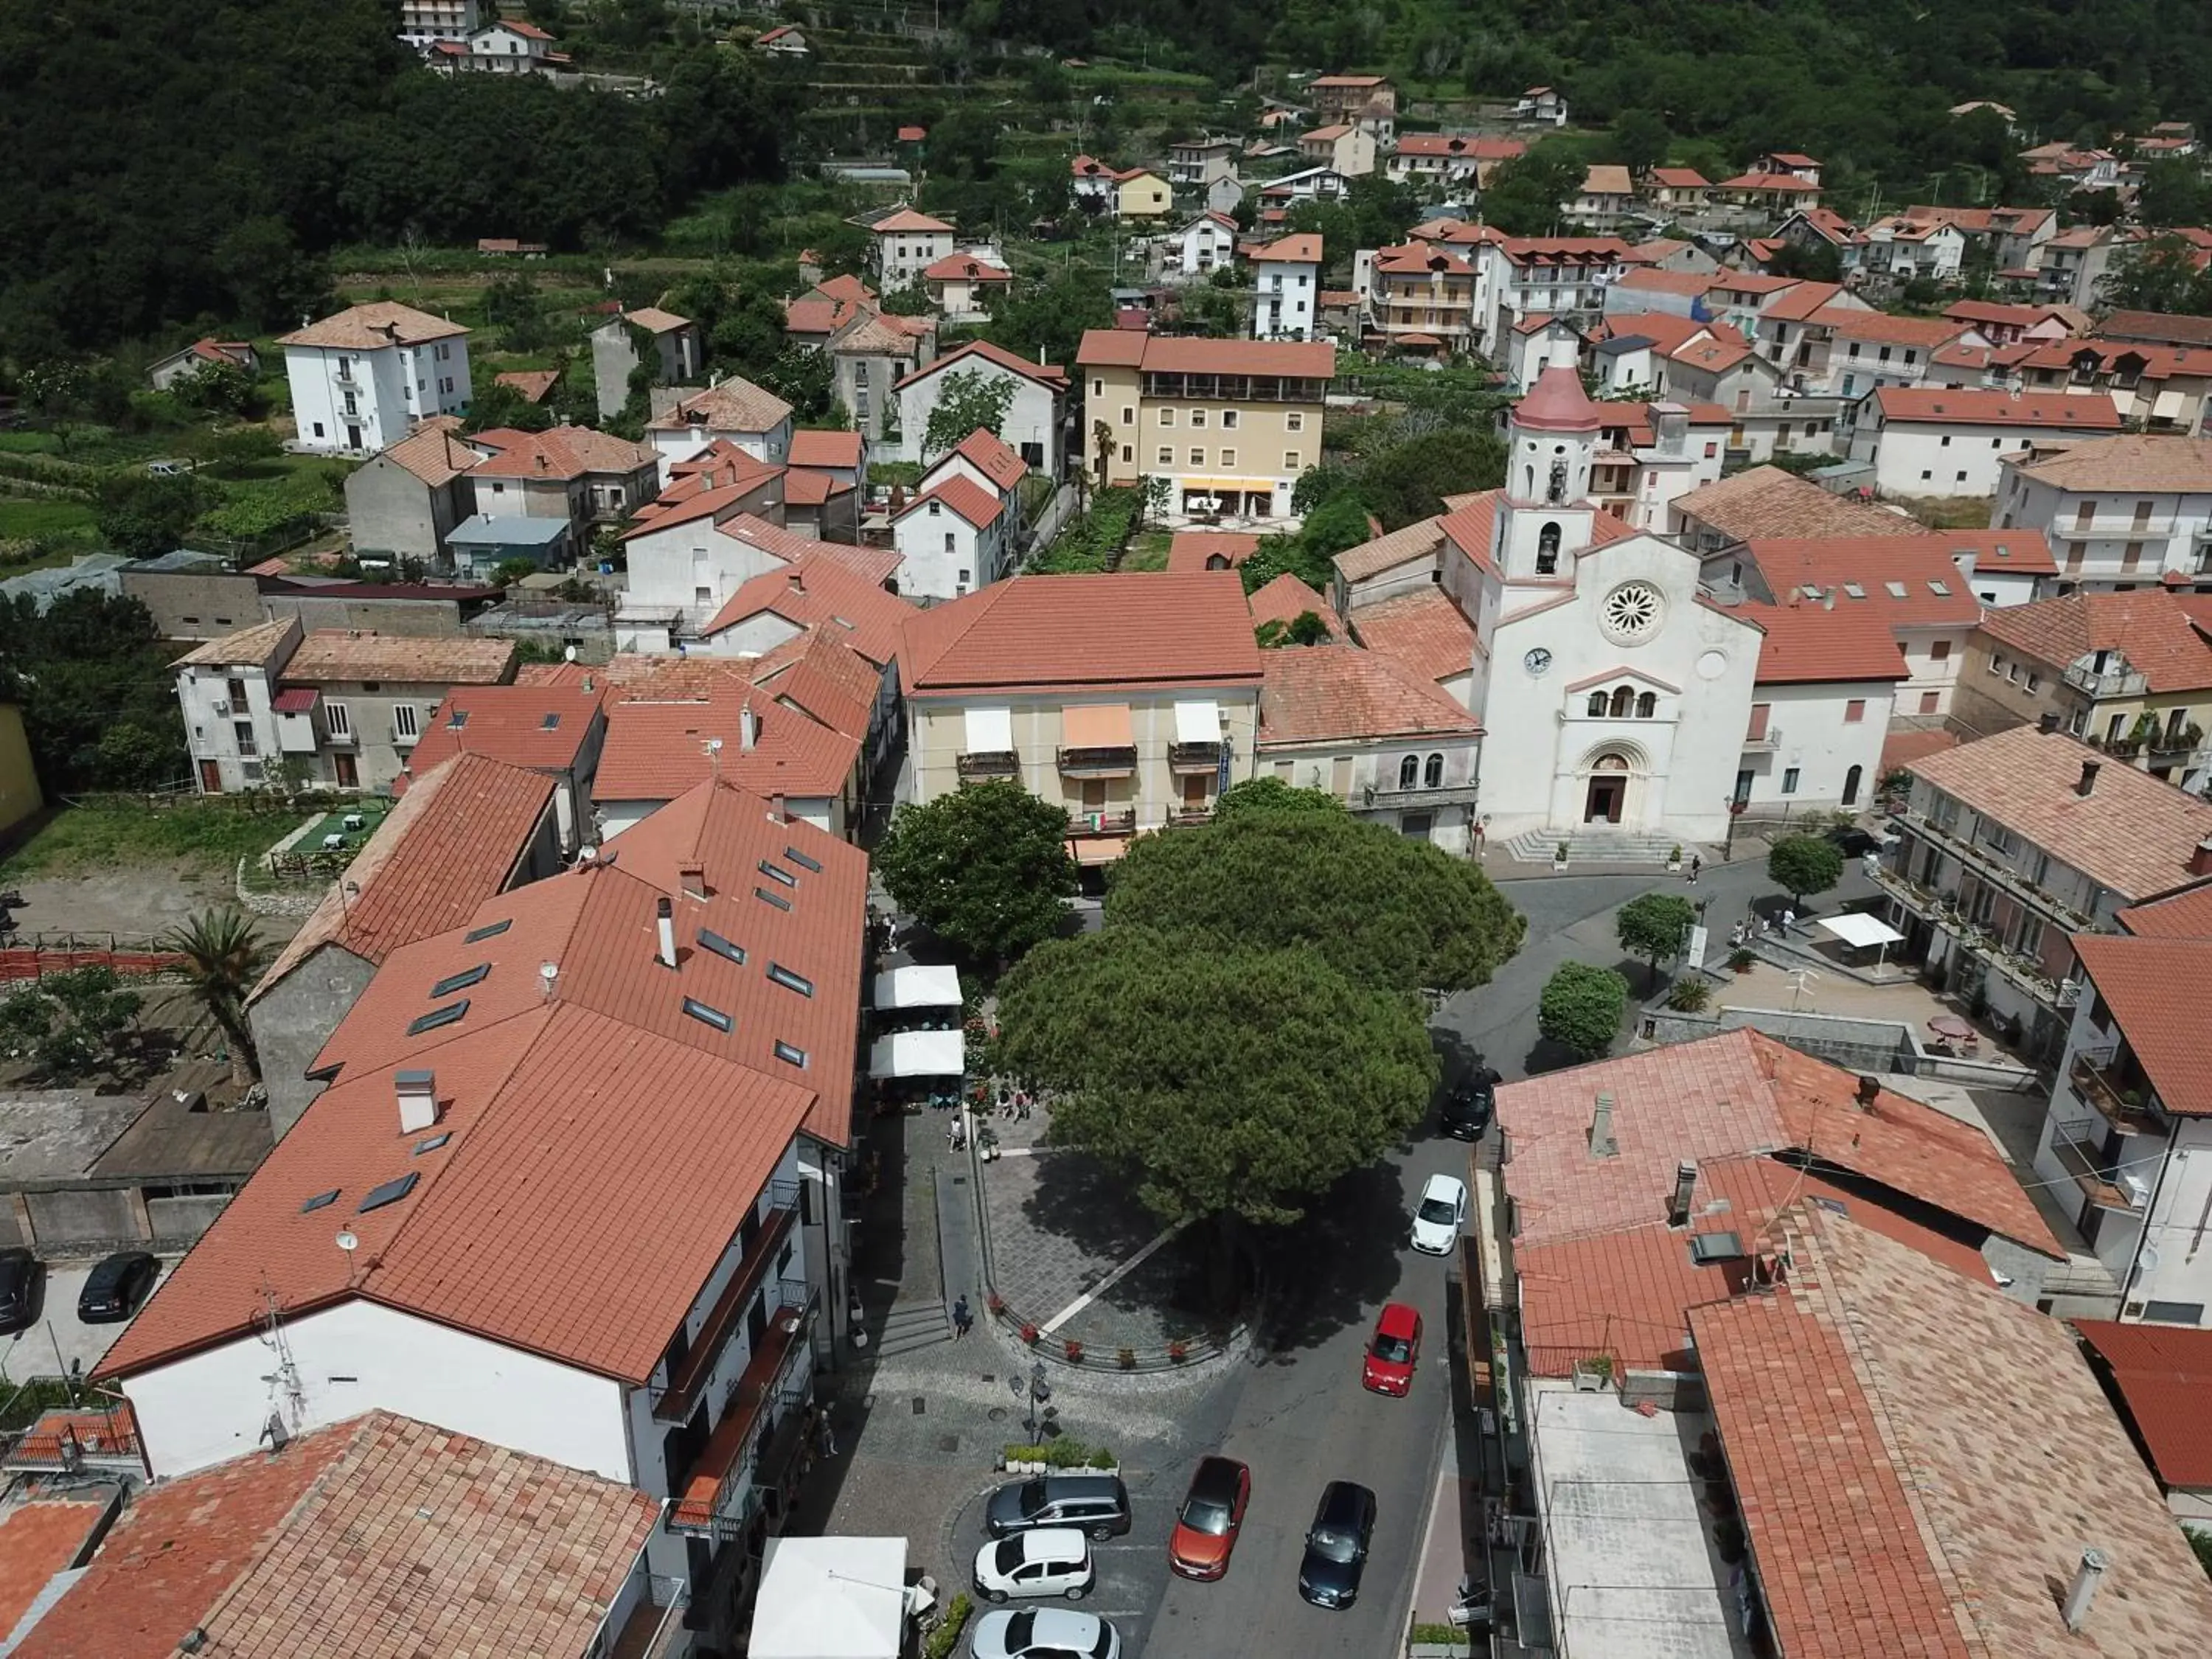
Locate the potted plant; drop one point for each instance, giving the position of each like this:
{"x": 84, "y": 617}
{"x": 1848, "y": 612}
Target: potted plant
{"x": 1178, "y": 1351}
{"x": 994, "y": 1301}
{"x": 1559, "y": 856}
{"x": 1689, "y": 996}
{"x": 1074, "y": 1352}
{"x": 1128, "y": 1359}
{"x": 1742, "y": 958}
{"x": 1029, "y": 1334}
{"x": 1675, "y": 858}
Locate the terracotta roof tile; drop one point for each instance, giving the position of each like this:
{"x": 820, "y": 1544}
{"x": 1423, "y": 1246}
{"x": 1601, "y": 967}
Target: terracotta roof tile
{"x": 377, "y": 1538}
{"x": 541, "y": 727}
{"x": 1321, "y": 693}
{"x": 2154, "y": 987}
{"x": 735, "y": 405}
{"x": 1301, "y": 249}
{"x": 1191, "y": 549}
{"x": 1416, "y": 540}
{"x": 1285, "y": 599}
{"x": 560, "y": 451}
{"x": 452, "y": 842}
{"x": 825, "y": 449}
{"x": 2088, "y": 411}
{"x": 966, "y": 267}
{"x": 340, "y": 654}
{"x": 2164, "y": 1373}
{"x": 655, "y": 320}
{"x": 1806, "y": 644}
{"x": 1179, "y": 355}
{"x": 373, "y": 326}
{"x": 37, "y": 1541}
{"x": 1883, "y": 328}
{"x": 1048, "y": 375}
{"x": 2185, "y": 915}
{"x": 2132, "y": 833}
{"x": 1906, "y": 744}
{"x": 1766, "y": 502}
{"x": 2148, "y": 626}
{"x": 907, "y": 219}
{"x": 2180, "y": 465}
{"x": 828, "y": 585}
{"x": 255, "y": 647}
{"x": 1425, "y": 631}
{"x": 655, "y": 752}
{"x": 1908, "y": 581}
{"x": 963, "y": 495}
{"x": 2026, "y": 551}
{"x": 432, "y": 453}
{"x": 1138, "y": 628}
{"x": 993, "y": 457}
{"x": 804, "y": 487}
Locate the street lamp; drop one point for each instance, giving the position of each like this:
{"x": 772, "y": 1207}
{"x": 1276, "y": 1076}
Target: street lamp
{"x": 1735, "y": 806}
{"x": 1038, "y": 1390}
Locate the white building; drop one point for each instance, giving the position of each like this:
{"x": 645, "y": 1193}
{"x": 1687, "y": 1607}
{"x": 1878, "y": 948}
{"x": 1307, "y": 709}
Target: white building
{"x": 960, "y": 286}
{"x": 361, "y": 379}
{"x": 1871, "y": 348}
{"x": 2118, "y": 512}
{"x": 952, "y": 538}
{"x": 1205, "y": 244}
{"x": 1541, "y": 105}
{"x": 511, "y": 46}
{"x": 422, "y": 22}
{"x": 1905, "y": 249}
{"x": 1194, "y": 163}
{"x": 733, "y": 410}
{"x": 1950, "y": 441}
{"x": 1286, "y": 288}
{"x": 1034, "y": 419}
{"x": 1821, "y": 709}
{"x": 907, "y": 243}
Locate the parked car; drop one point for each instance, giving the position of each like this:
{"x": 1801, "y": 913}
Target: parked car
{"x": 1044, "y": 1633}
{"x": 1336, "y": 1545}
{"x": 1050, "y": 1561}
{"x": 1394, "y": 1351}
{"x": 113, "y": 1290}
{"x": 1470, "y": 1105}
{"x": 20, "y": 1274}
{"x": 1440, "y": 1215}
{"x": 1096, "y": 1504}
{"x": 1855, "y": 843}
{"x": 1206, "y": 1525}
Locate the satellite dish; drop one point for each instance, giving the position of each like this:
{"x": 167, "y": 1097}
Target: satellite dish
{"x": 2146, "y": 1258}
{"x": 568, "y": 654}
{"x": 347, "y": 1241}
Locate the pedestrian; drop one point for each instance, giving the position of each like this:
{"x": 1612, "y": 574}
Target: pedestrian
{"x": 828, "y": 1438}
{"x": 954, "y": 1137}
{"x": 961, "y": 1318}
{"x": 1789, "y": 920}
{"x": 1696, "y": 865}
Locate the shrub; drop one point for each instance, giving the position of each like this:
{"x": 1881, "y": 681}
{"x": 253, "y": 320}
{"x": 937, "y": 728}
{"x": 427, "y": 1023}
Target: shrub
{"x": 1689, "y": 996}
{"x": 1074, "y": 1353}
{"x": 1581, "y": 1007}
{"x": 946, "y": 1636}
{"x": 1742, "y": 957}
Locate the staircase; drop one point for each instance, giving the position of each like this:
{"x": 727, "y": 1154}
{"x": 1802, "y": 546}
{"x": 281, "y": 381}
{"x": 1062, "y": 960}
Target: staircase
{"x": 914, "y": 1325}
{"x": 1594, "y": 844}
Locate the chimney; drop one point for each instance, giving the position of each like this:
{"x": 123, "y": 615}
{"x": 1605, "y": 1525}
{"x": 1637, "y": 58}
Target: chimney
{"x": 798, "y": 582}
{"x": 543, "y": 465}
{"x": 1602, "y": 1142}
{"x": 1686, "y": 1188}
{"x": 2200, "y": 858}
{"x": 666, "y": 909}
{"x": 775, "y": 807}
{"x": 1869, "y": 1092}
{"x": 2089, "y": 770}
{"x": 2083, "y": 1590}
{"x": 2047, "y": 724}
{"x": 748, "y": 729}
{"x": 693, "y": 876}
{"x": 418, "y": 1100}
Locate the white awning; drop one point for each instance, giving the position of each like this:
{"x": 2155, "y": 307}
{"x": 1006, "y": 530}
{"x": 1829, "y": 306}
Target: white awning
{"x": 919, "y": 988}
{"x": 1198, "y": 721}
{"x": 990, "y": 731}
{"x": 2167, "y": 406}
{"x": 919, "y": 1054}
{"x": 1860, "y": 931}
{"x": 831, "y": 1598}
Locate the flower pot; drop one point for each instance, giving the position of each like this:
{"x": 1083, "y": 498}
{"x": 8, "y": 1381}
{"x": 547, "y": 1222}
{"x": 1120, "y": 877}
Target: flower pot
{"x": 1558, "y": 864}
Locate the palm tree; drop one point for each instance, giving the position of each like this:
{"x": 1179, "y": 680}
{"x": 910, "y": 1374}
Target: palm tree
{"x": 221, "y": 959}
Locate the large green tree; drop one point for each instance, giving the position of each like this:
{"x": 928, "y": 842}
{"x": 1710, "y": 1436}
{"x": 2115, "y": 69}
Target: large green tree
{"x": 1655, "y": 927}
{"x": 1581, "y": 1007}
{"x": 966, "y": 399}
{"x": 1390, "y": 911}
{"x": 221, "y": 958}
{"x": 985, "y": 868}
{"x": 92, "y": 676}
{"x": 1804, "y": 864}
{"x": 1232, "y": 1081}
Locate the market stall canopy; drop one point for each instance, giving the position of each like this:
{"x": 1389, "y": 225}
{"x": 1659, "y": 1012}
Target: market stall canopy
{"x": 1860, "y": 931}
{"x": 919, "y": 1054}
{"x": 831, "y": 1598}
{"x": 919, "y": 988}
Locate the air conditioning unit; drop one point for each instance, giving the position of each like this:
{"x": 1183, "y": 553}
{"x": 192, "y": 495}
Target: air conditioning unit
{"x": 222, "y": 705}
{"x": 2136, "y": 1189}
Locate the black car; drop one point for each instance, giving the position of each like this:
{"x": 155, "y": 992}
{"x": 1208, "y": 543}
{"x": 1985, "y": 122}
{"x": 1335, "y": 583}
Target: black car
{"x": 113, "y": 1290}
{"x": 20, "y": 1274}
{"x": 1096, "y": 1504}
{"x": 1336, "y": 1545}
{"x": 1855, "y": 843}
{"x": 1470, "y": 1104}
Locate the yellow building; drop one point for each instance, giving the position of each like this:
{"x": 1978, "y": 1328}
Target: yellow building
{"x": 1230, "y": 423}
{"x": 1142, "y": 195}
{"x": 19, "y": 783}
{"x": 1129, "y": 699}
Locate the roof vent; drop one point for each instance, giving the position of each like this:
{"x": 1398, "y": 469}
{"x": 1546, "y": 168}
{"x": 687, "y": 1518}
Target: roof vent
{"x": 748, "y": 727}
{"x": 418, "y": 1100}
{"x": 1602, "y": 1142}
{"x": 1706, "y": 1249}
{"x": 2047, "y": 724}
{"x": 2200, "y": 858}
{"x": 2089, "y": 770}
{"x": 1869, "y": 1092}
{"x": 665, "y": 910}
{"x": 694, "y": 877}
{"x": 2083, "y": 1590}
{"x": 1686, "y": 1188}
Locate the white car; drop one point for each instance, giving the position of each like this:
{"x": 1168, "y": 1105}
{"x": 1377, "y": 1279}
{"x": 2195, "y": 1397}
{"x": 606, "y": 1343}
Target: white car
{"x": 1044, "y": 1633}
{"x": 1440, "y": 1215}
{"x": 1050, "y": 1561}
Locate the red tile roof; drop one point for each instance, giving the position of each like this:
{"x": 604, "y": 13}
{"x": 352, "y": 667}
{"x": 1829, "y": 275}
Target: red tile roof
{"x": 452, "y": 842}
{"x": 1048, "y": 374}
{"x": 537, "y": 726}
{"x": 1884, "y": 329}
{"x": 2185, "y": 915}
{"x": 1324, "y": 693}
{"x": 1301, "y": 249}
{"x": 993, "y": 458}
{"x": 1806, "y": 644}
{"x": 825, "y": 449}
{"x": 963, "y": 495}
{"x": 1172, "y": 354}
{"x": 1285, "y": 599}
{"x": 1908, "y": 581}
{"x": 377, "y": 1538}
{"x": 734, "y": 405}
{"x": 965, "y": 267}
{"x": 37, "y": 1541}
{"x": 1765, "y": 501}
{"x": 2024, "y": 551}
{"x": 1425, "y": 631}
{"x": 1190, "y": 549}
{"x": 2148, "y": 626}
{"x": 655, "y": 752}
{"x": 2164, "y": 1374}
{"x": 907, "y": 219}
{"x": 338, "y": 654}
{"x": 1905, "y": 745}
{"x": 2088, "y": 411}
{"x": 2153, "y": 987}
{"x": 1129, "y": 629}
{"x": 820, "y": 588}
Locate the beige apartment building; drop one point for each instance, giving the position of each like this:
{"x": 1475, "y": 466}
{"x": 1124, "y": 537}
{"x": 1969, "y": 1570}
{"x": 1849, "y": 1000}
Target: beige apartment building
{"x": 1230, "y": 423}
{"x": 1130, "y": 700}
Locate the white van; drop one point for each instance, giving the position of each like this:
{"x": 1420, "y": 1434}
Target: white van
{"x": 1050, "y": 1561}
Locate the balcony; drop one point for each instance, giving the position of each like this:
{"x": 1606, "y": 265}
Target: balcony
{"x": 1193, "y": 756}
{"x": 718, "y": 1495}
{"x": 2080, "y": 1159}
{"x": 989, "y": 764}
{"x": 1117, "y": 762}
{"x": 1763, "y": 743}
{"x": 1979, "y": 862}
{"x": 2111, "y": 683}
{"x": 1443, "y": 795}
{"x": 1187, "y": 815}
{"x": 2097, "y": 1078}
{"x": 682, "y": 1398}
{"x": 1081, "y": 822}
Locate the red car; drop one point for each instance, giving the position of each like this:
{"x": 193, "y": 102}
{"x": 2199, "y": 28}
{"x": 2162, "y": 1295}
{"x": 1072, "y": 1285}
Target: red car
{"x": 1205, "y": 1527}
{"x": 1392, "y": 1354}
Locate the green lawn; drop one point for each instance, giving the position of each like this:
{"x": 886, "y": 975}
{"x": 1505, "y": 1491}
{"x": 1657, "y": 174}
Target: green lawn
{"x": 85, "y": 838}
{"x": 44, "y": 518}
{"x": 1148, "y": 550}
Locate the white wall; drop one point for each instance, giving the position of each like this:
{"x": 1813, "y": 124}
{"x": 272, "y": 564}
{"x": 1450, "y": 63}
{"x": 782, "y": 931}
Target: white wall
{"x": 392, "y": 387}
{"x": 942, "y": 557}
{"x": 901, "y": 256}
{"x": 215, "y": 737}
{"x": 683, "y": 443}
{"x": 1931, "y": 675}
{"x": 212, "y": 1405}
{"x": 1032, "y": 419}
{"x": 669, "y": 567}
{"x": 1283, "y": 293}
{"x": 1819, "y": 743}
{"x": 1912, "y": 459}
{"x": 613, "y": 816}
{"x": 2176, "y": 520}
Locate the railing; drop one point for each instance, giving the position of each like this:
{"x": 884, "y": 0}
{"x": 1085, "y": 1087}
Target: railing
{"x": 1193, "y": 756}
{"x": 1443, "y": 795}
{"x": 2081, "y": 1160}
{"x": 2112, "y": 683}
{"x": 718, "y": 1494}
{"x": 1081, "y": 823}
{"x": 691, "y": 1375}
{"x": 2092, "y": 1078}
{"x": 989, "y": 763}
{"x": 1109, "y": 758}
{"x": 1976, "y": 859}
{"x": 1190, "y": 815}
{"x": 1763, "y": 742}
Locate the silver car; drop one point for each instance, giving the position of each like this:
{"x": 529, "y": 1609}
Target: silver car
{"x": 1044, "y": 1633}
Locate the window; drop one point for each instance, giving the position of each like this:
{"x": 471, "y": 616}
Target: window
{"x": 390, "y": 1193}
{"x": 1789, "y": 780}
{"x": 1198, "y": 458}
{"x": 1129, "y": 453}
{"x": 403, "y": 720}
{"x": 776, "y": 899}
{"x": 1294, "y": 421}
{"x": 338, "y": 719}
{"x": 1290, "y": 461}
{"x": 1624, "y": 702}
{"x": 949, "y": 547}
{"x": 729, "y": 951}
{"x": 1928, "y": 702}
{"x": 2035, "y": 682}
{"x": 1229, "y": 458}
{"x": 437, "y": 1017}
{"x": 1945, "y": 444}
{"x": 1229, "y": 420}
{"x": 705, "y": 1016}
{"x": 803, "y": 860}
{"x": 776, "y": 873}
{"x": 460, "y": 981}
{"x": 1647, "y": 705}
{"x": 1167, "y": 456}
{"x": 1432, "y": 772}
{"x": 790, "y": 981}
{"x": 1197, "y": 419}
{"x": 1925, "y": 474}
{"x": 1855, "y": 711}
{"x": 2131, "y": 556}
{"x": 1596, "y": 709}
{"x": 1128, "y": 415}
{"x": 1409, "y": 771}
{"x": 789, "y": 1054}
{"x": 1167, "y": 418}
{"x": 488, "y": 930}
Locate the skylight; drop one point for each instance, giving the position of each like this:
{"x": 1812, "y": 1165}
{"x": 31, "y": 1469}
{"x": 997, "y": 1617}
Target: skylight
{"x": 460, "y": 718}
{"x": 705, "y": 1016}
{"x": 1941, "y": 590}
{"x": 1715, "y": 1247}
{"x": 1854, "y": 590}
{"x": 776, "y": 899}
{"x": 437, "y": 1017}
{"x": 803, "y": 860}
{"x": 790, "y": 1056}
{"x": 711, "y": 940}
{"x": 319, "y": 1200}
{"x": 390, "y": 1193}
{"x": 1895, "y": 590}
{"x": 551, "y": 722}
{"x": 486, "y": 930}
{"x": 460, "y": 981}
{"x": 775, "y": 873}
{"x": 433, "y": 1143}
{"x": 790, "y": 981}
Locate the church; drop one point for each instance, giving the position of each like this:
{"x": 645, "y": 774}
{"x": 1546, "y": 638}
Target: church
{"x": 1614, "y": 694}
